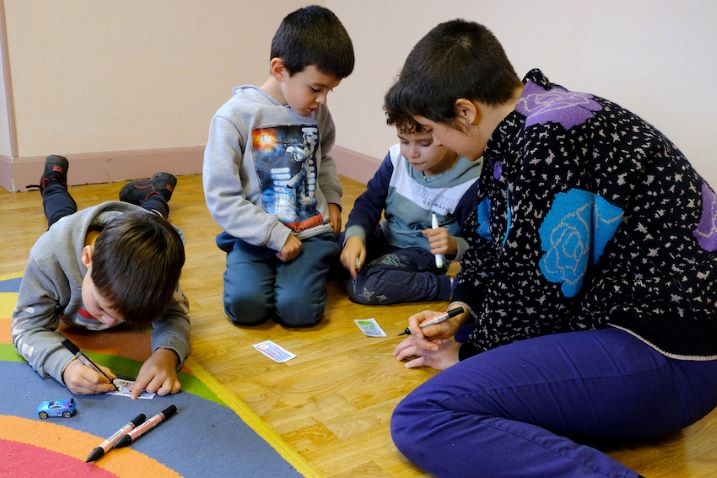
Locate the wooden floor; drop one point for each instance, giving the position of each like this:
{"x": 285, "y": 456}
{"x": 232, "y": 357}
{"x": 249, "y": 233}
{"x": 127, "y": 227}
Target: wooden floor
{"x": 333, "y": 402}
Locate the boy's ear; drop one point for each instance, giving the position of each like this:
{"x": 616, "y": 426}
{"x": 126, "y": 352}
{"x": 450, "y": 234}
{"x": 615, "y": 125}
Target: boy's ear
{"x": 277, "y": 69}
{"x": 87, "y": 255}
{"x": 467, "y": 113}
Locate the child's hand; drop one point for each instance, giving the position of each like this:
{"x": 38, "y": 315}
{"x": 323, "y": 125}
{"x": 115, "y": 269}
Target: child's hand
{"x": 158, "y": 374}
{"x": 441, "y": 242}
{"x": 353, "y": 255}
{"x": 291, "y": 250}
{"x": 335, "y": 218}
{"x": 83, "y": 380}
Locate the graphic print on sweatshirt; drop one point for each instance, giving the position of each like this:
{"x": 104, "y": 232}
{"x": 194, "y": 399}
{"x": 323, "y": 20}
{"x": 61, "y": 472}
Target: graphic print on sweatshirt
{"x": 285, "y": 161}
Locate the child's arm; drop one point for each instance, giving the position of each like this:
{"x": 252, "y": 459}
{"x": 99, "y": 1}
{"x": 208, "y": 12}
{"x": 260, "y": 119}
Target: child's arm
{"x": 43, "y": 289}
{"x": 328, "y": 176}
{"x": 170, "y": 347}
{"x": 36, "y": 317}
{"x": 353, "y": 254}
{"x": 224, "y": 188}
{"x": 369, "y": 206}
{"x": 365, "y": 216}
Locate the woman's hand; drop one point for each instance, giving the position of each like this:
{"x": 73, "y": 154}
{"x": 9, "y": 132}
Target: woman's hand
{"x": 440, "y": 356}
{"x": 432, "y": 346}
{"x": 435, "y": 333}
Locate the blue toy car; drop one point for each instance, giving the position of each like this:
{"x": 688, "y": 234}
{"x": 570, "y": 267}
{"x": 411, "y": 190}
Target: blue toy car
{"x": 57, "y": 408}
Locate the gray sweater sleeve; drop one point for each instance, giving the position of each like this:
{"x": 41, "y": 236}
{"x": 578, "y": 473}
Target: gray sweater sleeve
{"x": 224, "y": 190}
{"x": 328, "y": 175}
{"x": 35, "y": 320}
{"x": 171, "y": 331}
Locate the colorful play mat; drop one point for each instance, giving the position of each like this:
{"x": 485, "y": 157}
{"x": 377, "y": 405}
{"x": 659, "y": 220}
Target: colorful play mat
{"x": 213, "y": 433}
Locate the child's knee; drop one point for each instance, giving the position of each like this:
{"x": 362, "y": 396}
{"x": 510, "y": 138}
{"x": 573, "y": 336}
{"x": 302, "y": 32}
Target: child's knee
{"x": 245, "y": 310}
{"x": 367, "y": 289}
{"x": 357, "y": 291}
{"x": 296, "y": 311}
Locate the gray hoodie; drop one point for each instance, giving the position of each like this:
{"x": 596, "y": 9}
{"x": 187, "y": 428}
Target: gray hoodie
{"x": 267, "y": 172}
{"x": 51, "y": 290}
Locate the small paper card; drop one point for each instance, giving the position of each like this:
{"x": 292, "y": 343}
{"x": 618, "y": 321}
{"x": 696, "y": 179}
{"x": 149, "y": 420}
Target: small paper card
{"x": 275, "y": 352}
{"x": 370, "y": 327}
{"x": 124, "y": 389}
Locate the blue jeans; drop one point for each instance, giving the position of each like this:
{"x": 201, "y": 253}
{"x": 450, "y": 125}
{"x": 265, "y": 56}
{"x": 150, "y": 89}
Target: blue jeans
{"x": 507, "y": 412}
{"x": 257, "y": 284}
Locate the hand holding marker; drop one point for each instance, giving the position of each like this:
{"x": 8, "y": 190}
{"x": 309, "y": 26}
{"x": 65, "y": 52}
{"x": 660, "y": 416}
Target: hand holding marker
{"x": 133, "y": 435}
{"x": 436, "y": 320}
{"x": 108, "y": 444}
{"x": 75, "y": 350}
{"x": 434, "y": 225}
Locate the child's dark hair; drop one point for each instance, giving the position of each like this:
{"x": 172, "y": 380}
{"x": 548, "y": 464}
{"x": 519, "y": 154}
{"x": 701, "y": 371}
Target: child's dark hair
{"x": 314, "y": 35}
{"x": 136, "y": 264}
{"x": 456, "y": 59}
{"x": 404, "y": 123}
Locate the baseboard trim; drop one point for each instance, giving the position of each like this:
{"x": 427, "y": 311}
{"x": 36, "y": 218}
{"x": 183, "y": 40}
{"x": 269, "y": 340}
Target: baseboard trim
{"x": 107, "y": 167}
{"x": 104, "y": 167}
{"x": 356, "y": 166}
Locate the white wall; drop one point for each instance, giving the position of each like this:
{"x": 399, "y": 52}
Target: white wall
{"x": 5, "y": 139}
{"x": 106, "y": 75}
{"x": 5, "y": 108}
{"x": 657, "y": 58}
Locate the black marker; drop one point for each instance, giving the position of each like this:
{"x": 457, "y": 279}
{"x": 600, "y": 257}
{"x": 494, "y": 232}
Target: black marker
{"x": 75, "y": 350}
{"x": 146, "y": 426}
{"x": 110, "y": 443}
{"x": 436, "y": 319}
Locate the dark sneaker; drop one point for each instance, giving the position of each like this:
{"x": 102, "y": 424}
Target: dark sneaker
{"x": 136, "y": 192}
{"x": 55, "y": 172}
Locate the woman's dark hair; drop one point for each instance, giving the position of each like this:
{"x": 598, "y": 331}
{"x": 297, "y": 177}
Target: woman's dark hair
{"x": 456, "y": 59}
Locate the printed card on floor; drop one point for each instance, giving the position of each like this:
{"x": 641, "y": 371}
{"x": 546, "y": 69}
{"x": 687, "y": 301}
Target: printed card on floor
{"x": 370, "y": 327}
{"x": 275, "y": 352}
{"x": 124, "y": 389}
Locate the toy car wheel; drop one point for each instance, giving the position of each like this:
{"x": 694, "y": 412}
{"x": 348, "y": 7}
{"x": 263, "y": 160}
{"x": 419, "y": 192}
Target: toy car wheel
{"x": 66, "y": 414}
{"x": 43, "y": 415}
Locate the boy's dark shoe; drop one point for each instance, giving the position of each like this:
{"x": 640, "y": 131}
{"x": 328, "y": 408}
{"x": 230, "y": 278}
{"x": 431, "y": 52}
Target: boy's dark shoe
{"x": 136, "y": 192}
{"x": 55, "y": 172}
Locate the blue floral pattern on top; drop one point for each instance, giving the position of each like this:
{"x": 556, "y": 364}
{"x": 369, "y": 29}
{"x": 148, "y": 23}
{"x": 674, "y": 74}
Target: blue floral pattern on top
{"x": 631, "y": 239}
{"x": 483, "y": 217}
{"x": 575, "y": 231}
